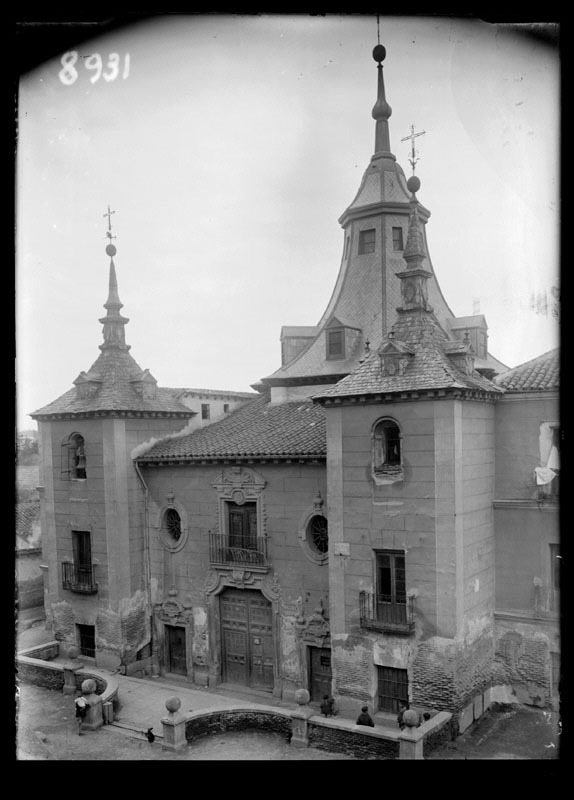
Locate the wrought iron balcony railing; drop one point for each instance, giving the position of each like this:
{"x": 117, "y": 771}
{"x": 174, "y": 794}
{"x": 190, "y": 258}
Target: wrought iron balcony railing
{"x": 79, "y": 578}
{"x": 246, "y": 552}
{"x": 385, "y": 613}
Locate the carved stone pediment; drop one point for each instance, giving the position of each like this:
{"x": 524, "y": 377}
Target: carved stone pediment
{"x": 171, "y": 611}
{"x": 313, "y": 628}
{"x": 239, "y": 482}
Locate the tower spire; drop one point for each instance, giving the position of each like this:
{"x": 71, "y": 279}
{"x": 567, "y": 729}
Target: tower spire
{"x": 114, "y": 324}
{"x": 414, "y": 277}
{"x": 381, "y": 110}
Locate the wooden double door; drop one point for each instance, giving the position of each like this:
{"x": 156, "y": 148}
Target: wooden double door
{"x": 247, "y": 639}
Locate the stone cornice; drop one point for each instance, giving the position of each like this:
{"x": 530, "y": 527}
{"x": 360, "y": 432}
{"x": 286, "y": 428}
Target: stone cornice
{"x": 528, "y": 617}
{"x": 514, "y": 395}
{"x": 420, "y": 394}
{"x": 92, "y": 414}
{"x": 385, "y": 207}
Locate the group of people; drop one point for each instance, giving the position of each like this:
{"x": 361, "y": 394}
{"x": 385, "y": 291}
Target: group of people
{"x": 365, "y": 718}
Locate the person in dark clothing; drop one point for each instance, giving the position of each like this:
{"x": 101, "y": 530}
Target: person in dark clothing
{"x": 328, "y": 706}
{"x": 81, "y": 711}
{"x": 365, "y": 718}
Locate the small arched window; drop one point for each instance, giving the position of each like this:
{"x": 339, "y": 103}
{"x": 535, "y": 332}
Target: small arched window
{"x": 386, "y": 447}
{"x": 74, "y": 458}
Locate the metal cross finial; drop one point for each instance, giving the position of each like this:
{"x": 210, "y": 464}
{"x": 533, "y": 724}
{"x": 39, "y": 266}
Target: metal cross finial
{"x": 378, "y": 35}
{"x": 413, "y": 160}
{"x": 109, "y": 230}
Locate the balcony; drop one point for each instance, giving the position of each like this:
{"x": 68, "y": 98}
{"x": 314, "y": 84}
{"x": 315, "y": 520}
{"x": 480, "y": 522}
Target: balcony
{"x": 384, "y": 613}
{"x": 223, "y": 550}
{"x": 79, "y": 578}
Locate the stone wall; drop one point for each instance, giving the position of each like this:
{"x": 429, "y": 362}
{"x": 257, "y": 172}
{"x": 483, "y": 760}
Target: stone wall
{"x": 523, "y": 653}
{"x": 237, "y": 720}
{"x": 351, "y": 742}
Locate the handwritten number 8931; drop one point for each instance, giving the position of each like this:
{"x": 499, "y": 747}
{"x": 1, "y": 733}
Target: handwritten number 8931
{"x": 93, "y": 63}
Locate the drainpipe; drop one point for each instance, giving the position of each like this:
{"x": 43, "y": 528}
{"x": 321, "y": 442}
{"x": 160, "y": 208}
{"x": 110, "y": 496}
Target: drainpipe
{"x": 147, "y": 563}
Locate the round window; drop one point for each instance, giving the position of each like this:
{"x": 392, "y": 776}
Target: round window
{"x": 318, "y": 535}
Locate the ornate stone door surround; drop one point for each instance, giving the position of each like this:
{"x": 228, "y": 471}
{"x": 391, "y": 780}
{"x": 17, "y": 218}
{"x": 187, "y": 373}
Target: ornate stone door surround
{"x": 239, "y": 484}
{"x": 215, "y": 583}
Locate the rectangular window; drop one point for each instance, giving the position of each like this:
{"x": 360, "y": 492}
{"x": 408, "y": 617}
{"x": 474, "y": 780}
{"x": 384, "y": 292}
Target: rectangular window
{"x": 226, "y": 408}
{"x": 367, "y": 241}
{"x": 82, "y": 553}
{"x": 87, "y": 640}
{"x": 391, "y": 579}
{"x": 393, "y": 688}
{"x": 242, "y": 527}
{"x": 398, "y": 239}
{"x": 205, "y": 411}
{"x": 336, "y": 344}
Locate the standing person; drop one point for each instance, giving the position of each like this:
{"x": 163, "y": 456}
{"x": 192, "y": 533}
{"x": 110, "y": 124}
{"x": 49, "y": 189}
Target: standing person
{"x": 81, "y": 711}
{"x": 365, "y": 718}
{"x": 328, "y": 706}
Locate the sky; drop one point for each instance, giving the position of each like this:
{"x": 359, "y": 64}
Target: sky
{"x": 229, "y": 146}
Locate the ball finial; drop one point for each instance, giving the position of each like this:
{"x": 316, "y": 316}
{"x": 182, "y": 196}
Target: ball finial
{"x": 111, "y": 250}
{"x": 413, "y": 184}
{"x": 379, "y": 53}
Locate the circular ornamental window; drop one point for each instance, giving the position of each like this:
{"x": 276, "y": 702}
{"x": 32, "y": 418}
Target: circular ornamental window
{"x": 318, "y": 535}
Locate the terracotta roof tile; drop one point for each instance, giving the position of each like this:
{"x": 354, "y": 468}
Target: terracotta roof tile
{"x": 258, "y": 428}
{"x": 539, "y": 374}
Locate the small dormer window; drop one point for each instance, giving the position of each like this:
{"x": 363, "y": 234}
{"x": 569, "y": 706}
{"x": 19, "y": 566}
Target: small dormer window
{"x": 367, "y": 241}
{"x": 398, "y": 239}
{"x": 336, "y": 343}
{"x": 74, "y": 458}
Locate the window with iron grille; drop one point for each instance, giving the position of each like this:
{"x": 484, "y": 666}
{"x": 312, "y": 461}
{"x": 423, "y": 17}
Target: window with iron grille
{"x": 172, "y": 524}
{"x": 74, "y": 458}
{"x": 393, "y": 689}
{"x": 205, "y": 411}
{"x": 86, "y": 640}
{"x": 336, "y": 343}
{"x": 318, "y": 534}
{"x": 398, "y": 239}
{"x": 367, "y": 241}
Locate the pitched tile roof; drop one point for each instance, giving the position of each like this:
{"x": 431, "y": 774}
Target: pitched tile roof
{"x": 27, "y": 518}
{"x": 178, "y": 392}
{"x": 539, "y": 374}
{"x": 113, "y": 374}
{"x": 256, "y": 429}
{"x": 429, "y": 368}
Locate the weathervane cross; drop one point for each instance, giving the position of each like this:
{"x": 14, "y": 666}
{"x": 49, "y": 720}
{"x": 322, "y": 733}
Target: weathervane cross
{"x": 413, "y": 160}
{"x": 108, "y": 214}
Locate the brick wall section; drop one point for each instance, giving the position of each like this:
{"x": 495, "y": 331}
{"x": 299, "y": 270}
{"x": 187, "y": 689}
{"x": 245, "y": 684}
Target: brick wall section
{"x": 351, "y": 743}
{"x": 352, "y": 665}
{"x": 438, "y": 738}
{"x": 526, "y": 664}
{"x": 447, "y": 676}
{"x": 221, "y": 721}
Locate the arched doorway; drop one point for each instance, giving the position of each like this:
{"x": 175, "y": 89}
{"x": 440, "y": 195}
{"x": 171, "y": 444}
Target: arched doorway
{"x": 247, "y": 639}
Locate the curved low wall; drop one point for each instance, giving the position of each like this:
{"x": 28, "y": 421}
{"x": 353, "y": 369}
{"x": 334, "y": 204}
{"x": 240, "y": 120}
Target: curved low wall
{"x": 49, "y": 674}
{"x": 204, "y": 723}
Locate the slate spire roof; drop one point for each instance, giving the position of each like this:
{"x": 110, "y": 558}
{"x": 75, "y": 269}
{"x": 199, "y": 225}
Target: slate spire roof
{"x": 115, "y": 382}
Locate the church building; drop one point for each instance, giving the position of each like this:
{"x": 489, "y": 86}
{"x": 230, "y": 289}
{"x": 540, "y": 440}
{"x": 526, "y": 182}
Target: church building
{"x": 378, "y": 521}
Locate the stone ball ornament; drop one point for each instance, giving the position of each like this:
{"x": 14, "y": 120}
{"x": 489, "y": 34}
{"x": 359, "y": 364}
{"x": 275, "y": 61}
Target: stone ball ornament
{"x": 73, "y": 653}
{"x": 302, "y": 697}
{"x": 411, "y": 718}
{"x": 379, "y": 53}
{"x": 173, "y": 704}
{"x": 88, "y": 686}
{"x": 413, "y": 184}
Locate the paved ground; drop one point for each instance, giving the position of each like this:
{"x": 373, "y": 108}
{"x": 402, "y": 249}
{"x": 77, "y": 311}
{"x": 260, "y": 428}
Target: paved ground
{"x": 47, "y": 727}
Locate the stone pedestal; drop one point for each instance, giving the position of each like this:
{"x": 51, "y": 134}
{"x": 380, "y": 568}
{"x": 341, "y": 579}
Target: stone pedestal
{"x": 173, "y": 726}
{"x": 411, "y": 744}
{"x": 70, "y": 669}
{"x": 300, "y": 737}
{"x": 94, "y": 718}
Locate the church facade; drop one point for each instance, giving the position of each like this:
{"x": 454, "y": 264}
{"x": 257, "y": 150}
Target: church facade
{"x": 367, "y": 525}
